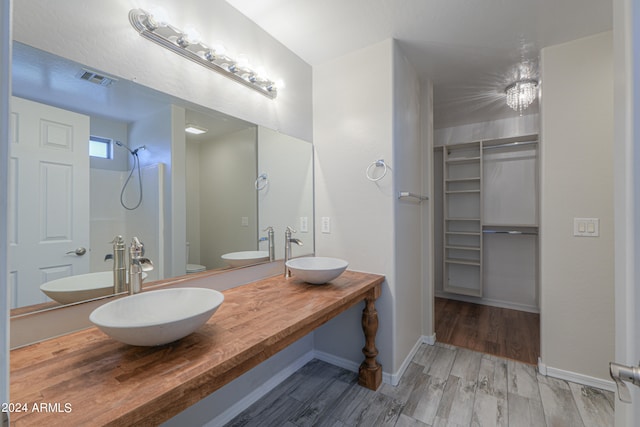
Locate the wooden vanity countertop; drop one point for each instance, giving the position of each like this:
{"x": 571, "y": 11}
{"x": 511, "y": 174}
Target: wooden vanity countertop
{"x": 87, "y": 378}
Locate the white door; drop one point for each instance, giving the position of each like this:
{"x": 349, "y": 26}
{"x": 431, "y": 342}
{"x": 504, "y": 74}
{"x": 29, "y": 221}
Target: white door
{"x": 48, "y": 198}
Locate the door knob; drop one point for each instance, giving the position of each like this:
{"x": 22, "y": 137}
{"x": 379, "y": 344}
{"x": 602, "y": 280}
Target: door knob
{"x": 79, "y": 251}
{"x": 621, "y": 373}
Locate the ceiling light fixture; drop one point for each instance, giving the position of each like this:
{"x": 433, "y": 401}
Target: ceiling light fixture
{"x": 521, "y": 94}
{"x": 188, "y": 45}
{"x": 195, "y": 130}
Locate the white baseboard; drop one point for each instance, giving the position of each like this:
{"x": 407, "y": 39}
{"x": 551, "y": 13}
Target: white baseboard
{"x": 387, "y": 378}
{"x": 429, "y": 339}
{"x": 490, "y": 302}
{"x": 337, "y": 361}
{"x": 575, "y": 377}
{"x": 260, "y": 391}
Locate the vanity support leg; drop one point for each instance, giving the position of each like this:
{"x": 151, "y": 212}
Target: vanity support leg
{"x": 370, "y": 373}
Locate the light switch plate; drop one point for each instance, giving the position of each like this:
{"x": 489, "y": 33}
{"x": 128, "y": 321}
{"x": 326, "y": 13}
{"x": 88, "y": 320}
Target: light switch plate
{"x": 586, "y": 227}
{"x": 304, "y": 224}
{"x": 244, "y": 221}
{"x": 326, "y": 224}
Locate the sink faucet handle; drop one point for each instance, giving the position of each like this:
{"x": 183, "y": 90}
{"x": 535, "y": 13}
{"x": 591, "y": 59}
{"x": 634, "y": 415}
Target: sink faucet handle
{"x": 268, "y": 229}
{"x": 118, "y": 240}
{"x": 137, "y": 245}
{"x": 291, "y": 229}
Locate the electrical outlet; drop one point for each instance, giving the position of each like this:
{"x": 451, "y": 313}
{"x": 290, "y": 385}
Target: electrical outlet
{"x": 304, "y": 224}
{"x": 244, "y": 221}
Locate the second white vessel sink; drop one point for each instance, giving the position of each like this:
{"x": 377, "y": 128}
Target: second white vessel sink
{"x": 240, "y": 259}
{"x": 317, "y": 270}
{"x": 157, "y": 317}
{"x": 82, "y": 287}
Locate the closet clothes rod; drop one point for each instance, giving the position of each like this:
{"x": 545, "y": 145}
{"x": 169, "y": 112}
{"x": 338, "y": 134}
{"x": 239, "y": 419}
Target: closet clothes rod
{"x": 405, "y": 194}
{"x": 510, "y": 144}
{"x": 511, "y": 232}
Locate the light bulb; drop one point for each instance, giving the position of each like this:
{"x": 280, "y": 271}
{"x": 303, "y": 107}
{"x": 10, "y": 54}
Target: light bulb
{"x": 260, "y": 73}
{"x": 242, "y": 61}
{"x": 219, "y": 49}
{"x": 159, "y": 15}
{"x": 192, "y": 35}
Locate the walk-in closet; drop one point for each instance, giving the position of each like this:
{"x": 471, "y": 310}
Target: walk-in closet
{"x": 486, "y": 250}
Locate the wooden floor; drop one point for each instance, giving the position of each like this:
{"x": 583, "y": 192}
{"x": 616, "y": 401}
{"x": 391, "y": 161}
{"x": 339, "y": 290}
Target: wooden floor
{"x": 499, "y": 331}
{"x": 443, "y": 385}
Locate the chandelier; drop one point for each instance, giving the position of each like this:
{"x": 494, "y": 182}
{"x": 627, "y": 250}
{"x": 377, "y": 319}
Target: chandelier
{"x": 521, "y": 94}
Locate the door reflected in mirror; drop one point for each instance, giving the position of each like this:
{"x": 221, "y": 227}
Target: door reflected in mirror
{"x": 82, "y": 201}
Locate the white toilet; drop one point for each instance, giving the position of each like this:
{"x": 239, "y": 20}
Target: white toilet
{"x": 194, "y": 268}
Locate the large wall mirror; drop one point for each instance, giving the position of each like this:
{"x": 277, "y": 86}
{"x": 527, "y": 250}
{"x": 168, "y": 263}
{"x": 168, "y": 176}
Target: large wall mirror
{"x": 67, "y": 206}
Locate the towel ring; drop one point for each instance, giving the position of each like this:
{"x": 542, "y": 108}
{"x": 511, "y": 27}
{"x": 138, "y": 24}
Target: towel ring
{"x": 261, "y": 181}
{"x": 377, "y": 163}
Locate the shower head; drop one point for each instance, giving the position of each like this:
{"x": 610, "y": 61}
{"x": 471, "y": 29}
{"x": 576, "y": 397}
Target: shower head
{"x": 120, "y": 144}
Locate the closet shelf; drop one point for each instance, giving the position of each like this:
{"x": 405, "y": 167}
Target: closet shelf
{"x": 511, "y": 225}
{"x": 463, "y": 248}
{"x": 462, "y": 214}
{"x": 462, "y": 261}
{"x": 463, "y": 192}
{"x": 462, "y": 160}
{"x": 463, "y": 233}
{"x": 470, "y": 179}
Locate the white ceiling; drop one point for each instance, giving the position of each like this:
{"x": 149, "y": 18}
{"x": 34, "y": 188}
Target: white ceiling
{"x": 468, "y": 48}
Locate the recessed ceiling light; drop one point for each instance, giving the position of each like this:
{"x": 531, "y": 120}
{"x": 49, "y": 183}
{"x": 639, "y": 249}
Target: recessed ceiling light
{"x": 196, "y": 130}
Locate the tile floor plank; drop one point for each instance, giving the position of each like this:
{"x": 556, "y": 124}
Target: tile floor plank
{"x": 444, "y": 386}
{"x": 316, "y": 406}
{"x": 593, "y": 405}
{"x": 425, "y": 399}
{"x": 560, "y": 408}
{"x": 524, "y": 412}
{"x": 523, "y": 380}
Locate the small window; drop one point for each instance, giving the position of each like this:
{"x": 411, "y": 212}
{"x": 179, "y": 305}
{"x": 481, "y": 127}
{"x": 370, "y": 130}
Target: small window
{"x": 100, "y": 147}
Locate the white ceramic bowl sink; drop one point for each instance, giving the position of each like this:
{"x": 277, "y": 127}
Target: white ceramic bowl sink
{"x": 317, "y": 270}
{"x": 157, "y": 317}
{"x": 239, "y": 259}
{"x": 81, "y": 287}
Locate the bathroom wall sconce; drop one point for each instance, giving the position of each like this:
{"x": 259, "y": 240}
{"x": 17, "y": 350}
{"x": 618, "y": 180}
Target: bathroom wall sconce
{"x": 188, "y": 46}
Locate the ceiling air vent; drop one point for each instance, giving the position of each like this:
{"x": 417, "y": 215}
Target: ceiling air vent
{"x": 94, "y": 77}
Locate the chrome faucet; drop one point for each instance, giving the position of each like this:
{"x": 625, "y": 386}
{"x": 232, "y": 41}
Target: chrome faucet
{"x": 270, "y": 239}
{"x": 137, "y": 265}
{"x": 119, "y": 265}
{"x": 287, "y": 248}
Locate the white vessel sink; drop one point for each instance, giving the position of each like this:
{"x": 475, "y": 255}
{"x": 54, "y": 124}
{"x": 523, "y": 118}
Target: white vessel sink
{"x": 317, "y": 270}
{"x": 239, "y": 259}
{"x": 81, "y": 287}
{"x": 157, "y": 317}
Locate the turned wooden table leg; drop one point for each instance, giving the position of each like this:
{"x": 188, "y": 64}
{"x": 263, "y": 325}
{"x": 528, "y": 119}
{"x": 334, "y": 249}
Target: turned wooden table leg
{"x": 370, "y": 374}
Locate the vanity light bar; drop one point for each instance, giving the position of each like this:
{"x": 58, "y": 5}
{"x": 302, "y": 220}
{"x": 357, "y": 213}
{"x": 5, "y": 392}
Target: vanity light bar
{"x": 178, "y": 41}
